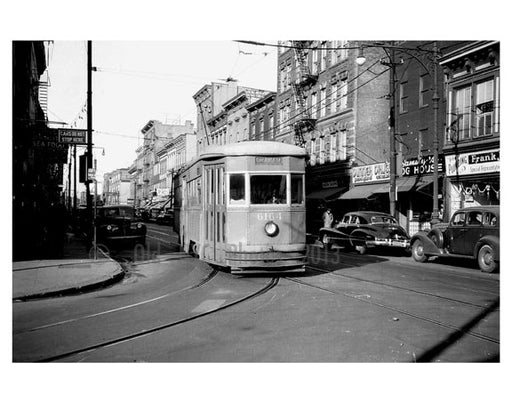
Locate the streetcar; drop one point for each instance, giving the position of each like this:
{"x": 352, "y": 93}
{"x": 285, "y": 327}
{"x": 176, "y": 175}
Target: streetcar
{"x": 242, "y": 206}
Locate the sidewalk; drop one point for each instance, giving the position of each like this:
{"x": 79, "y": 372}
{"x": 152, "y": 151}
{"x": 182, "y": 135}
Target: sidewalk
{"x": 74, "y": 273}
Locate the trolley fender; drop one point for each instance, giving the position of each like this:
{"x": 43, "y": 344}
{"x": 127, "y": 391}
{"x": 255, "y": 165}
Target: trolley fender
{"x": 492, "y": 240}
{"x": 428, "y": 245}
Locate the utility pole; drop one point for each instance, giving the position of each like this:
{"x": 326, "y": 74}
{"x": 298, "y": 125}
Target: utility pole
{"x": 435, "y": 107}
{"x": 74, "y": 178}
{"x": 392, "y": 130}
{"x": 89, "y": 128}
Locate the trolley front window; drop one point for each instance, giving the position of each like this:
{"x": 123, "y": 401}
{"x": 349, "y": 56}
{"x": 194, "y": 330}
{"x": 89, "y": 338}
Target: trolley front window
{"x": 237, "y": 189}
{"x": 268, "y": 189}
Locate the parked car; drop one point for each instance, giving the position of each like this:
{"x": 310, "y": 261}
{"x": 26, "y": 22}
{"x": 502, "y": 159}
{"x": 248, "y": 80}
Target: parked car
{"x": 366, "y": 229}
{"x": 472, "y": 232}
{"x": 166, "y": 216}
{"x": 115, "y": 224}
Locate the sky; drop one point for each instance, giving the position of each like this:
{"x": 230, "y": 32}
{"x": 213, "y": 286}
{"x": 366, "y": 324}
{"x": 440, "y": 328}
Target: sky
{"x": 137, "y": 81}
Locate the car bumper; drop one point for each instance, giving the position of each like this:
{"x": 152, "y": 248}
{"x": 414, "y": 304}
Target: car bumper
{"x": 389, "y": 243}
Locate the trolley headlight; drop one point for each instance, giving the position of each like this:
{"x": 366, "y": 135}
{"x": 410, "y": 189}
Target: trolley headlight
{"x": 271, "y": 228}
{"x": 139, "y": 225}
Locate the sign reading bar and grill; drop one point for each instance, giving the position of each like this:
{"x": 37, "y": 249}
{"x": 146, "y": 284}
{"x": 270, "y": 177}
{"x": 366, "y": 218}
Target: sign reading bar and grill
{"x": 73, "y": 136}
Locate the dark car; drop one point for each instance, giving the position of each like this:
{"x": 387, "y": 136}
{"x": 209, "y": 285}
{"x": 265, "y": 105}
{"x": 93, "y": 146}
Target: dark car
{"x": 365, "y": 229}
{"x": 115, "y": 224}
{"x": 473, "y": 232}
{"x": 166, "y": 216}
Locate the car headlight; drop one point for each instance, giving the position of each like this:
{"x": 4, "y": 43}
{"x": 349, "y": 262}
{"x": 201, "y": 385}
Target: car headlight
{"x": 271, "y": 228}
{"x": 112, "y": 227}
{"x": 139, "y": 225}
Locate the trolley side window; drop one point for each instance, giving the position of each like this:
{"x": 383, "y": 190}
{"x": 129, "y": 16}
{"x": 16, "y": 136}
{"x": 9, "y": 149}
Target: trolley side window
{"x": 237, "y": 189}
{"x": 268, "y": 189}
{"x": 297, "y": 184}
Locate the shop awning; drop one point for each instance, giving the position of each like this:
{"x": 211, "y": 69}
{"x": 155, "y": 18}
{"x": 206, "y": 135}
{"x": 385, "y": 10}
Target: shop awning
{"x": 365, "y": 191}
{"x": 325, "y": 194}
{"x": 405, "y": 184}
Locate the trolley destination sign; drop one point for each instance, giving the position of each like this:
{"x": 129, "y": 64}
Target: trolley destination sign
{"x": 73, "y": 136}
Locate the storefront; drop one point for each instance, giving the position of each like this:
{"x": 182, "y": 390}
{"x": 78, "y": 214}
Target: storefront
{"x": 473, "y": 179}
{"x": 414, "y": 190}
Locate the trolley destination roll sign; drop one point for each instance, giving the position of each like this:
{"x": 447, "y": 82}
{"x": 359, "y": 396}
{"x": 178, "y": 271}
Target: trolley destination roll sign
{"x": 73, "y": 136}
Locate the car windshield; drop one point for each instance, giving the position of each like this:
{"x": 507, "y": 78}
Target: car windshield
{"x": 116, "y": 212}
{"x": 380, "y": 219}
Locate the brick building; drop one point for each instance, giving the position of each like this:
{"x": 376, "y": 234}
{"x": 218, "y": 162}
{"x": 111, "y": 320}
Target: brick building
{"x": 262, "y": 113}
{"x": 472, "y": 137}
{"x": 338, "y": 110}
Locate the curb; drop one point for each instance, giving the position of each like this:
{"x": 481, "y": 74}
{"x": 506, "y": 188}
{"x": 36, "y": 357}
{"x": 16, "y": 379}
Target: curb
{"x": 74, "y": 290}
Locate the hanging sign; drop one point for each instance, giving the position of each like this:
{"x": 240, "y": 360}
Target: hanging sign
{"x": 370, "y": 173}
{"x": 73, "y": 136}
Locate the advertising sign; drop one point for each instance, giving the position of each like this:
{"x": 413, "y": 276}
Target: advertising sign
{"x": 370, "y": 173}
{"x": 162, "y": 191}
{"x": 473, "y": 163}
{"x": 420, "y": 166}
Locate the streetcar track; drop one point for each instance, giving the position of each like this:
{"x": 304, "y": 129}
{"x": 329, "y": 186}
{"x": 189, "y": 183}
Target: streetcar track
{"x": 397, "y": 287}
{"x": 205, "y": 280}
{"x": 271, "y": 284}
{"x": 410, "y": 314}
{"x": 404, "y": 265}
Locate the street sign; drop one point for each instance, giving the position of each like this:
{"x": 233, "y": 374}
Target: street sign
{"x": 91, "y": 174}
{"x": 73, "y": 136}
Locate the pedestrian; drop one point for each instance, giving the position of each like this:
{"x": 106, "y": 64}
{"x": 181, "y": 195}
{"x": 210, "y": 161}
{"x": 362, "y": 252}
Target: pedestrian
{"x": 328, "y": 218}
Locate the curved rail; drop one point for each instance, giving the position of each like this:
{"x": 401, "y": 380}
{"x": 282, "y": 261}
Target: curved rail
{"x": 271, "y": 284}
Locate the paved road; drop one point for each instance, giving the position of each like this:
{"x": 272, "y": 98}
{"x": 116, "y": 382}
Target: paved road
{"x": 345, "y": 308}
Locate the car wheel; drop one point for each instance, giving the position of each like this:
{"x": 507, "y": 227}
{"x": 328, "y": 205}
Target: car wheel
{"x": 358, "y": 242}
{"x": 486, "y": 260}
{"x": 418, "y": 253}
{"x": 436, "y": 236}
{"x": 325, "y": 242}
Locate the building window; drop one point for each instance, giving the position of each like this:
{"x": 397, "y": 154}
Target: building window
{"x": 462, "y": 112}
{"x": 424, "y": 89}
{"x": 403, "y": 98}
{"x": 314, "y": 67}
{"x": 314, "y": 102}
{"x": 322, "y": 102}
{"x": 341, "y": 143}
{"x": 339, "y": 53}
{"x": 333, "y": 148}
{"x": 321, "y": 150}
{"x": 270, "y": 128}
{"x": 323, "y": 56}
{"x": 343, "y": 92}
{"x": 484, "y": 108}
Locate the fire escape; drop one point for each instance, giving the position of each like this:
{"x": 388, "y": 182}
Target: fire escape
{"x": 303, "y": 83}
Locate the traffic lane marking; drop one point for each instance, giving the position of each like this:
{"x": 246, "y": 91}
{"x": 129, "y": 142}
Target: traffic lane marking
{"x": 208, "y": 305}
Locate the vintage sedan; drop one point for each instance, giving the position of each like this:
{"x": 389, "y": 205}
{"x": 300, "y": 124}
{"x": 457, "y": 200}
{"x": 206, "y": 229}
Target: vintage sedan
{"x": 361, "y": 230}
{"x": 472, "y": 232}
{"x": 116, "y": 224}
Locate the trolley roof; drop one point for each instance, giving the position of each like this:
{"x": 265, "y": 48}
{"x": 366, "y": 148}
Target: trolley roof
{"x": 252, "y": 148}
